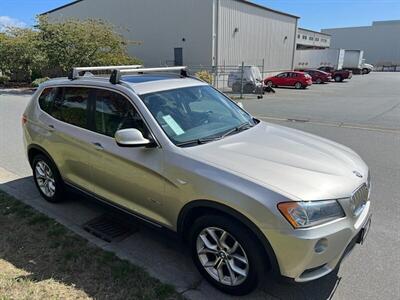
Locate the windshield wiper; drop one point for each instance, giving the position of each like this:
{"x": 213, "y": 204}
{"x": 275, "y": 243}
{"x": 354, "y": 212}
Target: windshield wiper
{"x": 239, "y": 128}
{"x": 201, "y": 141}
{"x": 197, "y": 141}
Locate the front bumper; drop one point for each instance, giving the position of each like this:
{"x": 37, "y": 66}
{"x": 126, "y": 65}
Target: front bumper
{"x": 299, "y": 255}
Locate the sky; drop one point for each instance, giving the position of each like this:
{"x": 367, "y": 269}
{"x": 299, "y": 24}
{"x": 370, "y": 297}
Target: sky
{"x": 315, "y": 14}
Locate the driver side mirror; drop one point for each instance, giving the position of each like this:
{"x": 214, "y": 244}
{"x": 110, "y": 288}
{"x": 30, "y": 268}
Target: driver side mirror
{"x": 132, "y": 137}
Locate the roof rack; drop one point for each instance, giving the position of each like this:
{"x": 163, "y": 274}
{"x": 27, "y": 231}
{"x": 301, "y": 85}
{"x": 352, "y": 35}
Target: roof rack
{"x": 118, "y": 72}
{"x": 74, "y": 74}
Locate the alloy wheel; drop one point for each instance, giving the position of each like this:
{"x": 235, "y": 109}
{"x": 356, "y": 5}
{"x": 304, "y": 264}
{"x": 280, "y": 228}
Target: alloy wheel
{"x": 222, "y": 256}
{"x": 45, "y": 178}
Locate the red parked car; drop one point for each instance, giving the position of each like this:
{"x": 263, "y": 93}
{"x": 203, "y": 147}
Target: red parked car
{"x": 319, "y": 76}
{"x": 337, "y": 75}
{"x": 292, "y": 78}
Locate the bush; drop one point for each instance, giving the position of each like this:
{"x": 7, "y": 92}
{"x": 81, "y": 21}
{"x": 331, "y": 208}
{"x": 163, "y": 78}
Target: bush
{"x": 205, "y": 76}
{"x": 4, "y": 79}
{"x": 39, "y": 81}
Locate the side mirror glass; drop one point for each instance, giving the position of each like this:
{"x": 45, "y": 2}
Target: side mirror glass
{"x": 131, "y": 137}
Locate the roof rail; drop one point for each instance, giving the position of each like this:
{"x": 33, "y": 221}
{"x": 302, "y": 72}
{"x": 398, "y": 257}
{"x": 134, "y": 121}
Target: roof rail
{"x": 118, "y": 72}
{"x": 74, "y": 73}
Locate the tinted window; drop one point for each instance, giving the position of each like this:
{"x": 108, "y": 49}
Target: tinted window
{"x": 282, "y": 75}
{"x": 72, "y": 106}
{"x": 115, "y": 112}
{"x": 46, "y": 98}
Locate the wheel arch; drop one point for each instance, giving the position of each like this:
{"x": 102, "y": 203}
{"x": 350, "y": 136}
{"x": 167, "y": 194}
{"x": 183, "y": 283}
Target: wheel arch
{"x": 193, "y": 210}
{"x": 34, "y": 150}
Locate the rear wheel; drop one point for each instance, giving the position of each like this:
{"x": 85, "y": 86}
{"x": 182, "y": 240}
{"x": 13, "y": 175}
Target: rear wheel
{"x": 47, "y": 179}
{"x": 298, "y": 85}
{"x": 338, "y": 78}
{"x": 319, "y": 80}
{"x": 226, "y": 254}
{"x": 236, "y": 87}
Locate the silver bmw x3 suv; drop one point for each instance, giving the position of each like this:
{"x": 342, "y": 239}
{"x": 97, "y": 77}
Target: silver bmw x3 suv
{"x": 246, "y": 195}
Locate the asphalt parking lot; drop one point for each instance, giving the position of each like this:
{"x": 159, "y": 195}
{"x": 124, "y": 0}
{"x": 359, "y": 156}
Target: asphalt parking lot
{"x": 362, "y": 113}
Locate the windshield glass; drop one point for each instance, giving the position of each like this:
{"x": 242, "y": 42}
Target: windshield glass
{"x": 196, "y": 113}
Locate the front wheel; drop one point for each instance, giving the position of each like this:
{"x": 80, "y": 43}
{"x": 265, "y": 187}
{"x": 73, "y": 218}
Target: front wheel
{"x": 298, "y": 85}
{"x": 47, "y": 179}
{"x": 226, "y": 254}
{"x": 365, "y": 71}
{"x": 319, "y": 81}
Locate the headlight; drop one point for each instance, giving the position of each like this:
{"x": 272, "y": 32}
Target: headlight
{"x": 306, "y": 214}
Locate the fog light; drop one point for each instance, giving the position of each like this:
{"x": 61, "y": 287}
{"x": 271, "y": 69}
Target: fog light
{"x": 321, "y": 245}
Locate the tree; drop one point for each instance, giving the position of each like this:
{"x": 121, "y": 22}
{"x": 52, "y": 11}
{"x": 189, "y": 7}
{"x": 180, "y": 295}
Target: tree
{"x": 81, "y": 43}
{"x": 19, "y": 55}
{"x": 53, "y": 48}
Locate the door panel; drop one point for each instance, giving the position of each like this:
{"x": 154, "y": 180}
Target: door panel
{"x": 129, "y": 177}
{"x": 67, "y": 135}
{"x": 178, "y": 56}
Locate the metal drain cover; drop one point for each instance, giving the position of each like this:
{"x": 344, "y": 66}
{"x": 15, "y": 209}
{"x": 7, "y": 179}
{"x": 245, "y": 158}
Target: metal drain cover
{"x": 109, "y": 228}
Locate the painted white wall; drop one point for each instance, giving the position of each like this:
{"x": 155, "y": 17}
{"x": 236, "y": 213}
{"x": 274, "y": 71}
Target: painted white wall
{"x": 317, "y": 39}
{"x": 261, "y": 34}
{"x": 160, "y": 26}
{"x": 380, "y": 42}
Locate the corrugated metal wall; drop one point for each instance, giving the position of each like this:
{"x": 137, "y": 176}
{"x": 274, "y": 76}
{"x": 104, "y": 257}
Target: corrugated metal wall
{"x": 159, "y": 25}
{"x": 261, "y": 34}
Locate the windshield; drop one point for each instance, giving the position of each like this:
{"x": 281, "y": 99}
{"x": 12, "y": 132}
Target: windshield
{"x": 196, "y": 114}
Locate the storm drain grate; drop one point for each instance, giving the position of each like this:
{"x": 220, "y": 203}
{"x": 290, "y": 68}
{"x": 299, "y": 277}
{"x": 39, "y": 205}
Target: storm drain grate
{"x": 109, "y": 229}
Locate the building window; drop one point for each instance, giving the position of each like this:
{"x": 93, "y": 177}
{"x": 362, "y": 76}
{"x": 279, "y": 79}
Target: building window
{"x": 316, "y": 39}
{"x": 304, "y": 37}
{"x": 311, "y": 38}
{"x": 298, "y": 36}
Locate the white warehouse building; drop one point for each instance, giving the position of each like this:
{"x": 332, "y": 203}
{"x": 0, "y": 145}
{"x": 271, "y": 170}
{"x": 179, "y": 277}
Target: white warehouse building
{"x": 380, "y": 42}
{"x": 195, "y": 32}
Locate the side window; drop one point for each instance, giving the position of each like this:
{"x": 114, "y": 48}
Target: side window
{"x": 46, "y": 99}
{"x": 282, "y": 75}
{"x": 72, "y": 107}
{"x": 114, "y": 112}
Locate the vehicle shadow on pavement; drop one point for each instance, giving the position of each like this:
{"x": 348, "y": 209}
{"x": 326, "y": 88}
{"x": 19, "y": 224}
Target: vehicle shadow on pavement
{"x": 160, "y": 252}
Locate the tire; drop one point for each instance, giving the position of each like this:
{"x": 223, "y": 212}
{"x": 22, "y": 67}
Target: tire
{"x": 298, "y": 85}
{"x": 319, "y": 81}
{"x": 246, "y": 258}
{"x": 44, "y": 171}
{"x": 248, "y": 88}
{"x": 236, "y": 87}
{"x": 269, "y": 83}
{"x": 338, "y": 78}
{"x": 365, "y": 71}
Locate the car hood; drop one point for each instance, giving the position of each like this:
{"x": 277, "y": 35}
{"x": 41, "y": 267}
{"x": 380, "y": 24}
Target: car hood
{"x": 298, "y": 165}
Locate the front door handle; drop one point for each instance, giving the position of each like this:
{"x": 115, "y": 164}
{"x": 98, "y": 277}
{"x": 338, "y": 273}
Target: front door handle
{"x": 98, "y": 146}
{"x": 51, "y": 127}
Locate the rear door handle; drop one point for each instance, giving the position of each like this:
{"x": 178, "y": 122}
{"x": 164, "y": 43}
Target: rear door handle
{"x": 51, "y": 127}
{"x": 98, "y": 146}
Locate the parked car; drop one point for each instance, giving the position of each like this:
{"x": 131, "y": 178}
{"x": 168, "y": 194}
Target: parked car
{"x": 319, "y": 76}
{"x": 337, "y": 75}
{"x": 251, "y": 80}
{"x": 247, "y": 196}
{"x": 293, "y": 78}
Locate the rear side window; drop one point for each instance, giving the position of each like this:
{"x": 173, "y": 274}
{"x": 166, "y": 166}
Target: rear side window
{"x": 72, "y": 107}
{"x": 114, "y": 112}
{"x": 46, "y": 99}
